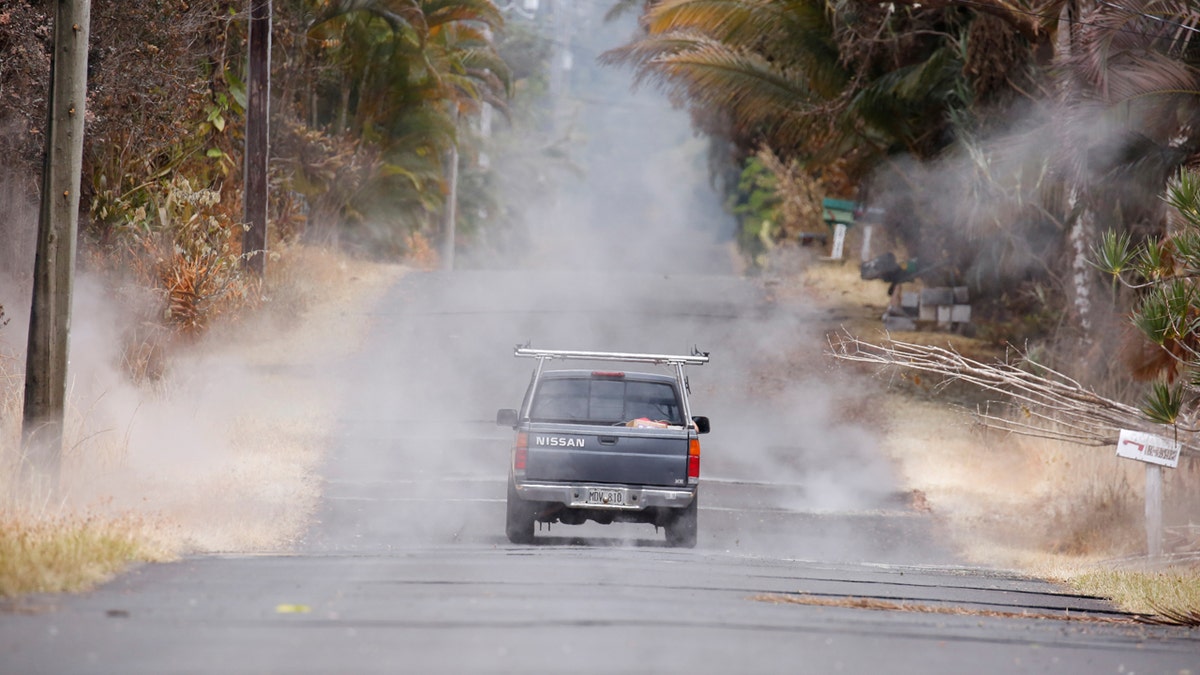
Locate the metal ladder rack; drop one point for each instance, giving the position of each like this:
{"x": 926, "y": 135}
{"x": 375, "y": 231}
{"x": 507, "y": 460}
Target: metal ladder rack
{"x": 697, "y": 358}
{"x": 675, "y": 361}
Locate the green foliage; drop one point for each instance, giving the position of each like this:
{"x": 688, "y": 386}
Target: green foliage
{"x": 406, "y": 78}
{"x": 1153, "y": 318}
{"x": 1153, "y": 261}
{"x": 1163, "y": 403}
{"x": 1167, "y": 310}
{"x": 181, "y": 242}
{"x": 756, "y": 204}
{"x": 1184, "y": 196}
{"x": 1114, "y": 254}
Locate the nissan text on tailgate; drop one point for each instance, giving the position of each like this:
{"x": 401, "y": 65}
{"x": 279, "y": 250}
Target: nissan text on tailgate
{"x": 605, "y": 445}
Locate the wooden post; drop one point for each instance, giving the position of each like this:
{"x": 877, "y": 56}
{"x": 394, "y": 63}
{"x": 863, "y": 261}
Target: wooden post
{"x": 866, "y": 243}
{"x": 1154, "y": 510}
{"x": 258, "y": 113}
{"x": 450, "y": 211}
{"x": 54, "y": 268}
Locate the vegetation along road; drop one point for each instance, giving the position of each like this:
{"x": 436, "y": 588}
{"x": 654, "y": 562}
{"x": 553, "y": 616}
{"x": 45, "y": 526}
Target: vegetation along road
{"x": 293, "y": 466}
{"x": 807, "y": 557}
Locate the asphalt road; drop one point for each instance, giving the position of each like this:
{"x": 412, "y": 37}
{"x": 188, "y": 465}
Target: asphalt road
{"x": 407, "y": 569}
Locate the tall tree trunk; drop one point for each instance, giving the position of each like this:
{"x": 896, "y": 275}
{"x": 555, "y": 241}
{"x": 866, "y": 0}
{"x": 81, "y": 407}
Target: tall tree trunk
{"x": 1081, "y": 221}
{"x": 1081, "y": 237}
{"x": 344, "y": 109}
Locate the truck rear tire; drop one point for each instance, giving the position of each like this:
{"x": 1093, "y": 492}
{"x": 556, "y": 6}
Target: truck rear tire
{"x": 518, "y": 521}
{"x": 681, "y": 530}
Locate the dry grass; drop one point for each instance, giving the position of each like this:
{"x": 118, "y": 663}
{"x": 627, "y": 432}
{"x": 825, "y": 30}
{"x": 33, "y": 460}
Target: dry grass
{"x": 1050, "y": 509}
{"x": 67, "y": 553}
{"x": 1013, "y": 501}
{"x": 1170, "y": 596}
{"x": 219, "y": 454}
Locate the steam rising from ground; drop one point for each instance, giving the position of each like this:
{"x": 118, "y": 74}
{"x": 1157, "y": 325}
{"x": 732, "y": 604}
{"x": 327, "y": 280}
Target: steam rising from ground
{"x": 219, "y": 454}
{"x": 635, "y": 256}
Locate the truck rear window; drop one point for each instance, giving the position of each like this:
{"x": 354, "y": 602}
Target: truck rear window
{"x": 603, "y": 401}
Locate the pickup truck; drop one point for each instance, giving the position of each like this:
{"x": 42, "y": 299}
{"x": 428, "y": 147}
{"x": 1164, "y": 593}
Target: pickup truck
{"x": 605, "y": 445}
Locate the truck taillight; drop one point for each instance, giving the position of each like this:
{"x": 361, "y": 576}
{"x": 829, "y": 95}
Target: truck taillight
{"x": 520, "y": 452}
{"x": 693, "y": 461}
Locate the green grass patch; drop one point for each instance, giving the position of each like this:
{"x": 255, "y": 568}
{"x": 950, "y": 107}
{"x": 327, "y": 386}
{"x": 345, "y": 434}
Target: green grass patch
{"x": 67, "y": 553}
{"x": 1169, "y": 596}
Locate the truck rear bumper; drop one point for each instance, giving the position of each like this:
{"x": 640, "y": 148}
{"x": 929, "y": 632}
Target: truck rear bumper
{"x": 635, "y": 498}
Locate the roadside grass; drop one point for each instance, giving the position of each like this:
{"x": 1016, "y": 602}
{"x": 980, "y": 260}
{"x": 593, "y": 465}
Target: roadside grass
{"x": 1055, "y": 510}
{"x": 1170, "y": 596}
{"x": 49, "y": 554}
{"x": 218, "y": 454}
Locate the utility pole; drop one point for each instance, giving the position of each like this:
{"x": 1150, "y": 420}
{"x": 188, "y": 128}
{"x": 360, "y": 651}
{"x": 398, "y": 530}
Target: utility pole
{"x": 258, "y": 112}
{"x": 450, "y": 210}
{"x": 54, "y": 268}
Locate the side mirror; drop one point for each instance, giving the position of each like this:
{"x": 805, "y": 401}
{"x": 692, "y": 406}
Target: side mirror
{"x": 506, "y": 417}
{"x": 702, "y": 425}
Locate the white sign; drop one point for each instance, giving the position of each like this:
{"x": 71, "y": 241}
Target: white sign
{"x": 839, "y": 240}
{"x": 1148, "y": 448}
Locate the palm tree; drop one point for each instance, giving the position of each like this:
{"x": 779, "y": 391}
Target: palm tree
{"x": 1132, "y": 83}
{"x": 748, "y": 69}
{"x": 847, "y": 82}
{"x": 410, "y": 70}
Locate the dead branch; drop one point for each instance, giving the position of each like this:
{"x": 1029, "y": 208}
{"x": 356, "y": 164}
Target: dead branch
{"x": 1041, "y": 402}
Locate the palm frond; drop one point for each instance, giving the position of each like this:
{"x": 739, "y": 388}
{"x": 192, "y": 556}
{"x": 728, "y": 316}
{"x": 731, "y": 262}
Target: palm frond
{"x": 789, "y": 33}
{"x": 399, "y": 14}
{"x": 712, "y": 74}
{"x": 621, "y": 8}
{"x": 442, "y": 12}
{"x": 639, "y": 53}
{"x": 897, "y": 100}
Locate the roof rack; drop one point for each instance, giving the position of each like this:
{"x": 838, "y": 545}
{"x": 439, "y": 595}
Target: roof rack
{"x": 697, "y": 357}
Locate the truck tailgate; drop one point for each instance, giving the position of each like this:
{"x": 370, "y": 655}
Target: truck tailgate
{"x": 601, "y": 454}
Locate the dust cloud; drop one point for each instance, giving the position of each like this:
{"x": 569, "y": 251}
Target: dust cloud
{"x": 216, "y": 448}
{"x": 237, "y": 443}
{"x": 635, "y": 254}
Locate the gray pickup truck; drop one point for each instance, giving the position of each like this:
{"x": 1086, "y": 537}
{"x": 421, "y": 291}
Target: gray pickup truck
{"x": 605, "y": 445}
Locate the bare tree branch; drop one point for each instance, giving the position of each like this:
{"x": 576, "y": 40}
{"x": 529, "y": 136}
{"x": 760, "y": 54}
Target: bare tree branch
{"x": 1040, "y": 402}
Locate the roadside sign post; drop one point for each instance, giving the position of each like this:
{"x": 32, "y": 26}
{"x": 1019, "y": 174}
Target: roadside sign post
{"x": 1156, "y": 452}
{"x": 839, "y": 241}
{"x": 1154, "y": 515}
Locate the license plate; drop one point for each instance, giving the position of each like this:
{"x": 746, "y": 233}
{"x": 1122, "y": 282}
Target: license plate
{"x": 606, "y": 496}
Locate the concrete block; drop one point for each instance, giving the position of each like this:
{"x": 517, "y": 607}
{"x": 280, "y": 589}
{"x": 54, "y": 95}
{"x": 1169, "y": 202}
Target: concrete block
{"x": 960, "y": 314}
{"x": 962, "y": 295}
{"x": 942, "y": 295}
{"x": 901, "y": 323}
{"x": 943, "y": 315}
